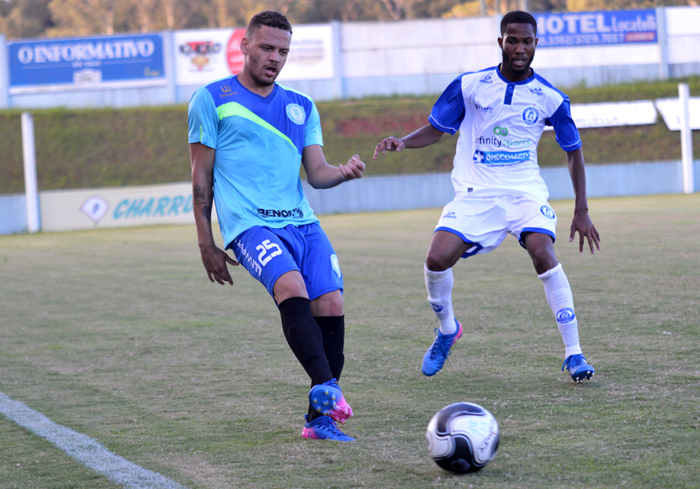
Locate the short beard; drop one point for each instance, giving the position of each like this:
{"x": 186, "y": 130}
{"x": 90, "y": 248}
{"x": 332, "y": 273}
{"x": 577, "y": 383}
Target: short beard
{"x": 262, "y": 82}
{"x": 506, "y": 61}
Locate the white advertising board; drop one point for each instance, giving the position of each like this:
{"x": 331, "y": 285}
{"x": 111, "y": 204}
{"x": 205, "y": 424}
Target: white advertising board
{"x": 202, "y": 56}
{"x": 613, "y": 114}
{"x": 65, "y": 210}
{"x": 670, "y": 109}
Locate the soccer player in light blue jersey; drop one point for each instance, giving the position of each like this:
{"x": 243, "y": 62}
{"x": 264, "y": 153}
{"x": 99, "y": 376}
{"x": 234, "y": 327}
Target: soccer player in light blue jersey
{"x": 500, "y": 113}
{"x": 248, "y": 137}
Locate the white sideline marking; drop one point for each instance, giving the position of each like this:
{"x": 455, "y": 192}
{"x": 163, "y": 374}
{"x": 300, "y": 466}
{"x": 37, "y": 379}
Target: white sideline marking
{"x": 84, "y": 449}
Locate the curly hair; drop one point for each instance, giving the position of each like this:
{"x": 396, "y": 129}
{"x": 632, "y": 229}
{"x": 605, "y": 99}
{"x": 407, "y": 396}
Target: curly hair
{"x": 270, "y": 18}
{"x": 518, "y": 17}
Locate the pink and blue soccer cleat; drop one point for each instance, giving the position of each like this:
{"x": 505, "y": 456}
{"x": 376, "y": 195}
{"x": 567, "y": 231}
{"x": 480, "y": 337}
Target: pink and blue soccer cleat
{"x": 327, "y": 399}
{"x": 323, "y": 428}
{"x": 437, "y": 354}
{"x": 578, "y": 368}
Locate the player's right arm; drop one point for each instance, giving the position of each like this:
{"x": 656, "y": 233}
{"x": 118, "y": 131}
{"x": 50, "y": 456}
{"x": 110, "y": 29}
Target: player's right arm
{"x": 203, "y": 137}
{"x": 213, "y": 257}
{"x": 425, "y": 136}
{"x": 446, "y": 116}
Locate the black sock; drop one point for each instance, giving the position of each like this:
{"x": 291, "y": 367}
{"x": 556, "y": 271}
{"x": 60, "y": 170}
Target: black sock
{"x": 333, "y": 331}
{"x": 305, "y": 338}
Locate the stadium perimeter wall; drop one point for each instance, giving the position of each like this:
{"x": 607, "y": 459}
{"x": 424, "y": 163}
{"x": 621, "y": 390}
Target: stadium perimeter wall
{"x": 413, "y": 57}
{"x": 65, "y": 210}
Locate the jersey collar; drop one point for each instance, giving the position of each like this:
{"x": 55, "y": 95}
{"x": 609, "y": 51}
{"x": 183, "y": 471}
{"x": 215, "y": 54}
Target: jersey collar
{"x": 505, "y": 80}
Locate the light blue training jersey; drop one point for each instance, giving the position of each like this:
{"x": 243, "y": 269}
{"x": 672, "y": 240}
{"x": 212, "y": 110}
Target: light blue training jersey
{"x": 500, "y": 123}
{"x": 259, "y": 143}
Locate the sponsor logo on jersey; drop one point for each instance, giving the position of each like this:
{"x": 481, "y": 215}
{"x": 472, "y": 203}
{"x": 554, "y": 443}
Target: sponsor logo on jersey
{"x": 450, "y": 215}
{"x": 287, "y": 214}
{"x": 483, "y": 109}
{"x": 226, "y": 91}
{"x": 497, "y": 143}
{"x": 530, "y": 116}
{"x": 296, "y": 114}
{"x": 500, "y": 158}
{"x": 500, "y": 131}
{"x": 565, "y": 315}
{"x": 547, "y": 212}
{"x": 486, "y": 79}
{"x": 537, "y": 91}
{"x": 335, "y": 265}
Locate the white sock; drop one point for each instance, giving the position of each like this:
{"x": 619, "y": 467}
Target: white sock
{"x": 439, "y": 285}
{"x": 561, "y": 301}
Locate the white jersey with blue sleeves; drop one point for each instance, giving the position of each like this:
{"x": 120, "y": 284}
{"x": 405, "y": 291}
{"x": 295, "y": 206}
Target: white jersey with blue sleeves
{"x": 500, "y": 124}
{"x": 259, "y": 143}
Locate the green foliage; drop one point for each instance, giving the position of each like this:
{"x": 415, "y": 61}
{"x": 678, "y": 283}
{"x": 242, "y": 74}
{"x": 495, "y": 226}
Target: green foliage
{"x": 144, "y": 146}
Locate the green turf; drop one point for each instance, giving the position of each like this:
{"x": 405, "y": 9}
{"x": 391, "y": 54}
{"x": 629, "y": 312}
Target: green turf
{"x": 119, "y": 335}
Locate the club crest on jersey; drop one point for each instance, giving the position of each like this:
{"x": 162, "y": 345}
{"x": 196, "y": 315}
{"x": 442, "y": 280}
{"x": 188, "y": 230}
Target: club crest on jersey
{"x": 548, "y": 212}
{"x": 296, "y": 114}
{"x": 530, "y": 116}
{"x": 565, "y": 315}
{"x": 335, "y": 265}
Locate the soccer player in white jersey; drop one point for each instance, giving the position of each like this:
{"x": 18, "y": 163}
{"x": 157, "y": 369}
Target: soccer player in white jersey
{"x": 248, "y": 137}
{"x": 500, "y": 113}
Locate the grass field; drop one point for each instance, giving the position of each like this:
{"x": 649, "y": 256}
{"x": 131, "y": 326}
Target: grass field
{"x": 119, "y": 335}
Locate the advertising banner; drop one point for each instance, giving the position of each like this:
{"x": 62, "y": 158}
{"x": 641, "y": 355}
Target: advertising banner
{"x": 50, "y": 65}
{"x": 594, "y": 28}
{"x": 610, "y": 114}
{"x": 64, "y": 210}
{"x": 670, "y": 109}
{"x": 202, "y": 56}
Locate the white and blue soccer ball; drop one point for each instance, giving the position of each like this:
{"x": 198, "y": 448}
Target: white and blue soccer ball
{"x": 462, "y": 437}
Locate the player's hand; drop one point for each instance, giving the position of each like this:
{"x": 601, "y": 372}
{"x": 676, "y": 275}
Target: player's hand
{"x": 215, "y": 260}
{"x": 353, "y": 169}
{"x": 388, "y": 144}
{"x": 586, "y": 230}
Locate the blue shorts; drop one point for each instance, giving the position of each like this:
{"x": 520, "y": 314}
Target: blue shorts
{"x": 268, "y": 253}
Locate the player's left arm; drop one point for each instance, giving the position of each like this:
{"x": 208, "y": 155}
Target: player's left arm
{"x": 582, "y": 221}
{"x": 320, "y": 174}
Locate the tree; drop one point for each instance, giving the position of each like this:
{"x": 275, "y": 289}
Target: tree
{"x": 83, "y": 17}
{"x": 24, "y": 18}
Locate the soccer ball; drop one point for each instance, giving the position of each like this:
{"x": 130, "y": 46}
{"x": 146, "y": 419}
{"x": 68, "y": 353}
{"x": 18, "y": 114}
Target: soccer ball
{"x": 462, "y": 437}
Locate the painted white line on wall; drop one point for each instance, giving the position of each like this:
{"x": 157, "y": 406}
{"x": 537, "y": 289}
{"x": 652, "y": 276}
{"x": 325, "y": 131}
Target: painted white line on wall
{"x": 84, "y": 449}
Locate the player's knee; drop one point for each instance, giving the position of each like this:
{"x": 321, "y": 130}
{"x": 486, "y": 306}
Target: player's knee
{"x": 289, "y": 285}
{"x": 437, "y": 263}
{"x": 543, "y": 259}
{"x": 330, "y": 304}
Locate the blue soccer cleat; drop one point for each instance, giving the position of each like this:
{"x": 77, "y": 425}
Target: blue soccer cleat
{"x": 323, "y": 428}
{"x": 437, "y": 354}
{"x": 327, "y": 399}
{"x": 578, "y": 368}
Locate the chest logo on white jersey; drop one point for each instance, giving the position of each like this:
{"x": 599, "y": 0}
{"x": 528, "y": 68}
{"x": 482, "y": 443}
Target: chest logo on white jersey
{"x": 530, "y": 116}
{"x": 296, "y": 114}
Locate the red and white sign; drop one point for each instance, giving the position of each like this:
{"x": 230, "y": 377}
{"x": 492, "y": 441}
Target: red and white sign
{"x": 203, "y": 56}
